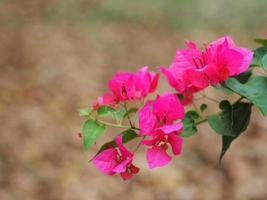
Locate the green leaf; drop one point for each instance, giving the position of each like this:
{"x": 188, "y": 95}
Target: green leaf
{"x": 230, "y": 122}
{"x": 118, "y": 115}
{"x": 85, "y": 112}
{"x": 105, "y": 110}
{"x": 261, "y": 41}
{"x": 91, "y": 130}
{"x": 241, "y": 118}
{"x": 254, "y": 90}
{"x": 222, "y": 122}
{"x": 258, "y": 55}
{"x": 127, "y": 136}
{"x": 192, "y": 114}
{"x": 190, "y": 128}
{"x": 130, "y": 111}
{"x": 264, "y": 61}
{"x": 244, "y": 77}
{"x": 203, "y": 107}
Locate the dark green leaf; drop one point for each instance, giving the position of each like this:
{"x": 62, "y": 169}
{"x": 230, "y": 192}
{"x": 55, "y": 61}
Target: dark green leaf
{"x": 222, "y": 122}
{"x": 254, "y": 90}
{"x": 105, "y": 110}
{"x": 192, "y": 114}
{"x": 241, "y": 118}
{"x": 91, "y": 130}
{"x": 190, "y": 128}
{"x": 244, "y": 77}
{"x": 203, "y": 107}
{"x": 258, "y": 55}
{"x": 261, "y": 41}
{"x": 85, "y": 112}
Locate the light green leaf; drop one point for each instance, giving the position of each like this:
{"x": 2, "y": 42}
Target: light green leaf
{"x": 254, "y": 90}
{"x": 258, "y": 55}
{"x": 91, "y": 130}
{"x": 85, "y": 112}
{"x": 118, "y": 115}
{"x": 105, "y": 110}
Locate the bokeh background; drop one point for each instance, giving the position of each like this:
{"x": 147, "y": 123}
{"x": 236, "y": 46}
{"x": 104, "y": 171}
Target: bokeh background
{"x": 57, "y": 55}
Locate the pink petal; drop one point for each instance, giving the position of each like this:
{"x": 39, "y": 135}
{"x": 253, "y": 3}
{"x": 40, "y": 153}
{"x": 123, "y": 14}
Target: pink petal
{"x": 216, "y": 73}
{"x": 124, "y": 152}
{"x": 147, "y": 119}
{"x": 175, "y": 77}
{"x": 197, "y": 78}
{"x": 168, "y": 105}
{"x": 107, "y": 99}
{"x": 171, "y": 128}
{"x": 191, "y": 44}
{"x": 122, "y": 166}
{"x": 105, "y": 161}
{"x": 157, "y": 157}
{"x": 154, "y": 78}
{"x": 176, "y": 143}
{"x": 145, "y": 82}
{"x": 122, "y": 85}
{"x": 154, "y": 140}
{"x": 184, "y": 58}
{"x": 233, "y": 60}
{"x": 247, "y": 58}
{"x": 223, "y": 39}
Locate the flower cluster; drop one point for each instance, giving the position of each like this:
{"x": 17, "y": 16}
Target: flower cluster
{"x": 161, "y": 119}
{"x": 193, "y": 69}
{"x": 126, "y": 86}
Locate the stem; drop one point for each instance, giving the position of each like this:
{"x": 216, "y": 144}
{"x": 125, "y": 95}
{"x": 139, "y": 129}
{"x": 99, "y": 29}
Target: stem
{"x": 139, "y": 144}
{"x": 128, "y": 117}
{"x": 201, "y": 121}
{"x": 239, "y": 99}
{"x": 114, "y": 125}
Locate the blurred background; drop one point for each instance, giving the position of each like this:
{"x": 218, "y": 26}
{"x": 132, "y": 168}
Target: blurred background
{"x": 56, "y": 57}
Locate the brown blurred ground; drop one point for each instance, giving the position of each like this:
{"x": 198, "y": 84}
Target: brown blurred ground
{"x": 56, "y": 56}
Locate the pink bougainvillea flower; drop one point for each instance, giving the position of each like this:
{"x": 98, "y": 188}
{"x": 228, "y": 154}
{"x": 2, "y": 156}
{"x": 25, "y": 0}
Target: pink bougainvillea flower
{"x": 125, "y": 86}
{"x": 113, "y": 160}
{"x": 133, "y": 86}
{"x": 107, "y": 99}
{"x": 194, "y": 69}
{"x": 157, "y": 155}
{"x": 160, "y": 120}
{"x": 161, "y": 113}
